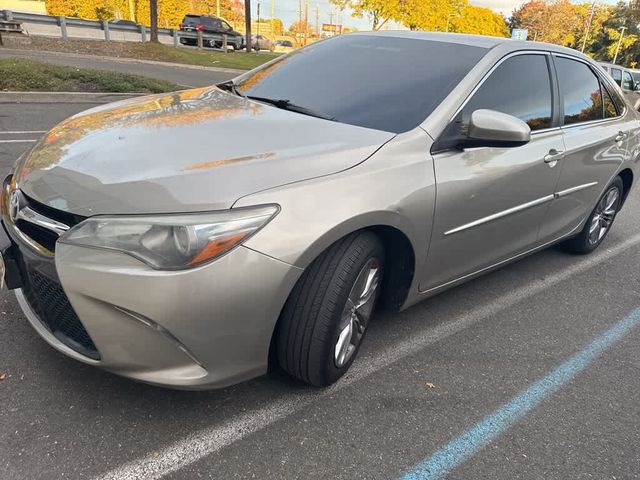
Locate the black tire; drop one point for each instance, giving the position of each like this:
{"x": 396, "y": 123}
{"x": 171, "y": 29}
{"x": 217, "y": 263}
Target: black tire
{"x": 309, "y": 325}
{"x": 582, "y": 244}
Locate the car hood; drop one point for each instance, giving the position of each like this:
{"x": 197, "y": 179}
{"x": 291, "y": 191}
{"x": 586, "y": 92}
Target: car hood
{"x": 194, "y": 150}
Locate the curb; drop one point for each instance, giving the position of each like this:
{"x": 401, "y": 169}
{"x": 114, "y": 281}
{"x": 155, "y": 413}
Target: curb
{"x": 27, "y": 51}
{"x": 64, "y": 97}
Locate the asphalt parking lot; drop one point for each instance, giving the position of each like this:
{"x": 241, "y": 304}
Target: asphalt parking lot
{"x": 530, "y": 372}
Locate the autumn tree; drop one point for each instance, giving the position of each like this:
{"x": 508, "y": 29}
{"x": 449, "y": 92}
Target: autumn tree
{"x": 378, "y": 11}
{"x": 453, "y": 16}
{"x": 553, "y": 21}
{"x": 421, "y": 15}
{"x": 590, "y": 34}
{"x": 170, "y": 12}
{"x": 481, "y": 21}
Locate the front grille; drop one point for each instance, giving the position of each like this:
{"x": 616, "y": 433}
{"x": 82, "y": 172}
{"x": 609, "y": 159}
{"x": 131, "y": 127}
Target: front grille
{"x": 48, "y": 300}
{"x": 67, "y": 218}
{"x": 39, "y": 234}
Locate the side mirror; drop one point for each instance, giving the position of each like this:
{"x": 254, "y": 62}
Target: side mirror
{"x": 636, "y": 86}
{"x": 488, "y": 128}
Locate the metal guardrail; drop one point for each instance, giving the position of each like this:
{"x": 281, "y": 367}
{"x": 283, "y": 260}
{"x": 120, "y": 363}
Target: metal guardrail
{"x": 198, "y": 38}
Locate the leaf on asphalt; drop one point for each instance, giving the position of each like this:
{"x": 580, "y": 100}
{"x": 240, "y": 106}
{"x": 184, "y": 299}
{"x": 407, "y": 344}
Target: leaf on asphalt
{"x": 155, "y": 454}
{"x": 430, "y": 385}
{"x": 3, "y": 376}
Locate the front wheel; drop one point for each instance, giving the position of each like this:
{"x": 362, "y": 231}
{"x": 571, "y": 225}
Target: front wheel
{"x": 600, "y": 220}
{"x": 326, "y": 316}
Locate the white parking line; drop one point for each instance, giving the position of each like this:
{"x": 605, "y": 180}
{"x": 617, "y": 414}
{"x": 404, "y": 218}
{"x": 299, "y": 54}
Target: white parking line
{"x": 23, "y": 132}
{"x": 211, "y": 440}
{"x": 17, "y": 141}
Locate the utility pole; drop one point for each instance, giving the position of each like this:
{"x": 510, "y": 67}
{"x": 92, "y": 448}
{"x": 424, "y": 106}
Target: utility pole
{"x": 132, "y": 11}
{"x": 273, "y": 16}
{"x": 218, "y": 8}
{"x": 247, "y": 23}
{"x": 592, "y": 11}
{"x": 615, "y": 57}
{"x": 317, "y": 20}
{"x": 258, "y": 24}
{"x": 306, "y": 20}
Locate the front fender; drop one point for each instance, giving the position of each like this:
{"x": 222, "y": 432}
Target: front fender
{"x": 395, "y": 187}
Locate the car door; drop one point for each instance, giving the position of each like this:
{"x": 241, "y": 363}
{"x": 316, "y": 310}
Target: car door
{"x": 595, "y": 133}
{"x": 491, "y": 201}
{"x": 629, "y": 88}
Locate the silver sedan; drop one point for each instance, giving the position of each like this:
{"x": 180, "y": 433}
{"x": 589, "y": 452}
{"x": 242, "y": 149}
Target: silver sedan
{"x": 189, "y": 239}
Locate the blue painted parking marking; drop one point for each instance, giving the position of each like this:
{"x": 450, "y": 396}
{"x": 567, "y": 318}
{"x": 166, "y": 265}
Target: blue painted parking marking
{"x": 484, "y": 432}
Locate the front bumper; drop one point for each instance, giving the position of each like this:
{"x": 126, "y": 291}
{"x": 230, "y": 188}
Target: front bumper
{"x": 205, "y": 327}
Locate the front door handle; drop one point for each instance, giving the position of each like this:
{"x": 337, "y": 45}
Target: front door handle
{"x": 620, "y": 137}
{"x": 552, "y": 157}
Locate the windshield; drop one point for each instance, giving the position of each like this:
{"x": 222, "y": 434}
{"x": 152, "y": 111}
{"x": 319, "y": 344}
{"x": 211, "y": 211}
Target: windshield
{"x": 379, "y": 82}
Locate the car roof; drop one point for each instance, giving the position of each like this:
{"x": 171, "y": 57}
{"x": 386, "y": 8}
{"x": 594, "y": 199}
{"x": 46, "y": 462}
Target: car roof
{"x": 482, "y": 41}
{"x": 613, "y": 65}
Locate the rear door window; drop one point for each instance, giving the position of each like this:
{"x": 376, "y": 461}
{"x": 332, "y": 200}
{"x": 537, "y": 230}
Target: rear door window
{"x": 580, "y": 90}
{"x": 610, "y": 110}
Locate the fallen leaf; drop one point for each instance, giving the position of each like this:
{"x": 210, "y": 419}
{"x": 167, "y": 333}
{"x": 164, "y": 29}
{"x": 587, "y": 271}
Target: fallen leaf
{"x": 430, "y": 385}
{"x": 155, "y": 454}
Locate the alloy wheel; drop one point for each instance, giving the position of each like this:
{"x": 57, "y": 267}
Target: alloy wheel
{"x": 603, "y": 215}
{"x": 357, "y": 312}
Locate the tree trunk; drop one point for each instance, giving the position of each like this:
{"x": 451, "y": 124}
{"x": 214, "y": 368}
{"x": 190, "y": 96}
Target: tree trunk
{"x": 153, "y": 13}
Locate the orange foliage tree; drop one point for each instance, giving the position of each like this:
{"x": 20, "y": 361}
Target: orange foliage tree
{"x": 170, "y": 12}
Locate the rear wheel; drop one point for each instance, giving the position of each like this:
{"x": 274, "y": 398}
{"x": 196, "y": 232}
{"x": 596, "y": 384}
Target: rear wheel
{"x": 326, "y": 316}
{"x": 600, "y": 220}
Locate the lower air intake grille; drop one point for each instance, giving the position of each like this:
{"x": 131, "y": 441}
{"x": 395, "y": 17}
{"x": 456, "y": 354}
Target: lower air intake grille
{"x": 51, "y": 304}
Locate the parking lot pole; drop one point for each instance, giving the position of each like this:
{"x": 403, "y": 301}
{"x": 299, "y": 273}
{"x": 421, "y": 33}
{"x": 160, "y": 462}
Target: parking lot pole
{"x": 199, "y": 34}
{"x": 175, "y": 37}
{"x": 247, "y": 23}
{"x": 105, "y": 27}
{"x": 143, "y": 33}
{"x": 224, "y": 42}
{"x": 63, "y": 27}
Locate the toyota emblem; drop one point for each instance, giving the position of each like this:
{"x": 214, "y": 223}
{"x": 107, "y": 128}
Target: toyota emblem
{"x": 14, "y": 204}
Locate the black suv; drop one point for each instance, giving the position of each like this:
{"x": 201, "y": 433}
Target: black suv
{"x": 212, "y": 29}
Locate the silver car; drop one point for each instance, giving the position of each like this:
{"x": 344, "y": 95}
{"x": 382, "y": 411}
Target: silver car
{"x": 185, "y": 239}
{"x": 626, "y": 79}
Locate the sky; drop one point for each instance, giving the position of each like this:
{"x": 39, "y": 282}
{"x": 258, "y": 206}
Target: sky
{"x": 287, "y": 10}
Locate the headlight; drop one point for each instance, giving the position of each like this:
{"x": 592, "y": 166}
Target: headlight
{"x": 171, "y": 241}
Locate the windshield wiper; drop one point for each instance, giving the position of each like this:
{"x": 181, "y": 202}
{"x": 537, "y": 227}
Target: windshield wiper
{"x": 230, "y": 86}
{"x": 292, "y": 107}
{"x": 283, "y": 104}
